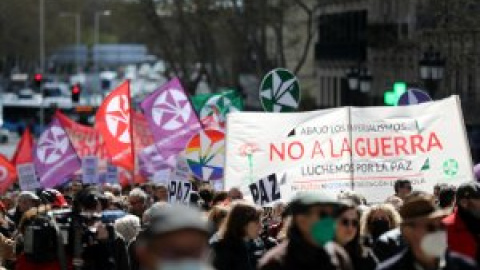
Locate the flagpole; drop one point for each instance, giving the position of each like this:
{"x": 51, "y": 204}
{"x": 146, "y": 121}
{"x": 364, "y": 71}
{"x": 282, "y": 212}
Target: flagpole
{"x": 131, "y": 130}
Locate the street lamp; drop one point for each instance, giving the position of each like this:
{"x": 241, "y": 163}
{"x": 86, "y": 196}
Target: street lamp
{"x": 365, "y": 80}
{"x": 76, "y": 16}
{"x": 96, "y": 30}
{"x": 432, "y": 68}
{"x": 96, "y": 33}
{"x": 353, "y": 77}
{"x": 359, "y": 83}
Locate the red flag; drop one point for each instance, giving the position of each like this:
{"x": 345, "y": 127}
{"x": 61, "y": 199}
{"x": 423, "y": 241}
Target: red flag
{"x": 8, "y": 174}
{"x": 114, "y": 122}
{"x": 23, "y": 154}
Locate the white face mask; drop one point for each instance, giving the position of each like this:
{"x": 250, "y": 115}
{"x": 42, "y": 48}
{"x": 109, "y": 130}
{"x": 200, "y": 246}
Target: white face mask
{"x": 183, "y": 265}
{"x": 434, "y": 244}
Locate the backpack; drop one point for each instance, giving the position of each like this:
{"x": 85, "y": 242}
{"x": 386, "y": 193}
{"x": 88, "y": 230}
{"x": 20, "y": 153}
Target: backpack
{"x": 42, "y": 240}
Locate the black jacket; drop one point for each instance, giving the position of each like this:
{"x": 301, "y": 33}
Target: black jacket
{"x": 365, "y": 261}
{"x": 237, "y": 255}
{"x": 389, "y": 244}
{"x": 406, "y": 261}
{"x": 296, "y": 253}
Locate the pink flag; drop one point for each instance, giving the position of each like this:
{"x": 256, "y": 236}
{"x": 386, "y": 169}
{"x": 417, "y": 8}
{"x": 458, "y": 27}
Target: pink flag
{"x": 54, "y": 156}
{"x": 171, "y": 116}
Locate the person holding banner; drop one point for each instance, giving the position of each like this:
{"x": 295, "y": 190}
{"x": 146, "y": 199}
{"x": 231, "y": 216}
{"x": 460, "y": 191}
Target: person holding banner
{"x": 310, "y": 236}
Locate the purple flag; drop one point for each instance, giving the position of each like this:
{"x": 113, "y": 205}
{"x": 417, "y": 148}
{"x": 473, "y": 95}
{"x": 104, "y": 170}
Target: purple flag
{"x": 151, "y": 160}
{"x": 54, "y": 156}
{"x": 171, "y": 116}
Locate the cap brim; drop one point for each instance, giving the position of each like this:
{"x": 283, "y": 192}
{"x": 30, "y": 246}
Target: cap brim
{"x": 441, "y": 213}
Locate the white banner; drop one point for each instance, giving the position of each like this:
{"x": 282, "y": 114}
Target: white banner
{"x": 27, "y": 177}
{"x": 364, "y": 149}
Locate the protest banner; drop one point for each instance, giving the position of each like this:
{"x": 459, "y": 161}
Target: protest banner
{"x": 90, "y": 170}
{"x": 179, "y": 191}
{"x": 111, "y": 175}
{"x": 266, "y": 190}
{"x": 27, "y": 178}
{"x": 364, "y": 149}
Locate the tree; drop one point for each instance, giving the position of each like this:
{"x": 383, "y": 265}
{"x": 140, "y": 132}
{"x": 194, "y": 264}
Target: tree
{"x": 221, "y": 39}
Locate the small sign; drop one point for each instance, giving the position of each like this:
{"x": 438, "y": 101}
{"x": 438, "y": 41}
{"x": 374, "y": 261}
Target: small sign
{"x": 179, "y": 191}
{"x": 182, "y": 170}
{"x": 162, "y": 176}
{"x": 265, "y": 190}
{"x": 280, "y": 91}
{"x": 413, "y": 96}
{"x": 27, "y": 177}
{"x": 111, "y": 176}
{"x": 90, "y": 170}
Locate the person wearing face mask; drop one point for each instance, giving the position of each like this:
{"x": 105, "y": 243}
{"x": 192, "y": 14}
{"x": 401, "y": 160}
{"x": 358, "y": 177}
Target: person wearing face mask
{"x": 426, "y": 239}
{"x": 175, "y": 238}
{"x": 348, "y": 236}
{"x": 463, "y": 225}
{"x": 310, "y": 242}
{"x": 238, "y": 245}
{"x": 378, "y": 220}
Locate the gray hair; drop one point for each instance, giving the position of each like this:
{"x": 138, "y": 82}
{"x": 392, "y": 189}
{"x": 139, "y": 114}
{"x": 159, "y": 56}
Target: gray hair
{"x": 128, "y": 227}
{"x": 139, "y": 193}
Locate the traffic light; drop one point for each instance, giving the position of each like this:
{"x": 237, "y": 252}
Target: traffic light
{"x": 38, "y": 80}
{"x": 391, "y": 97}
{"x": 76, "y": 91}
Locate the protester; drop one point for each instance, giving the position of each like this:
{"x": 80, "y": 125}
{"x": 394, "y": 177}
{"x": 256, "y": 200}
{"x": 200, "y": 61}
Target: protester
{"x": 310, "y": 236}
{"x": 25, "y": 201}
{"x": 160, "y": 193}
{"x": 238, "y": 245}
{"x": 377, "y": 220}
{"x": 426, "y": 238}
{"x": 128, "y": 227}
{"x": 173, "y": 241}
{"x": 463, "y": 225}
{"x": 402, "y": 188}
{"x": 235, "y": 194}
{"x": 99, "y": 246}
{"x": 395, "y": 201}
{"x": 220, "y": 197}
{"x": 206, "y": 195}
{"x": 138, "y": 202}
{"x": 217, "y": 216}
{"x": 446, "y": 197}
{"x": 348, "y": 236}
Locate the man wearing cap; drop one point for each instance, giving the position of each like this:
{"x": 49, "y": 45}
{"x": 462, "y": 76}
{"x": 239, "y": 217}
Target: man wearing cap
{"x": 25, "y": 201}
{"x": 463, "y": 225}
{"x": 310, "y": 237}
{"x": 175, "y": 238}
{"x": 426, "y": 238}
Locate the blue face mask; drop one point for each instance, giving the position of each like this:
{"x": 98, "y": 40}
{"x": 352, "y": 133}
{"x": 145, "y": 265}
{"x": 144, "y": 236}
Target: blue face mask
{"x": 323, "y": 231}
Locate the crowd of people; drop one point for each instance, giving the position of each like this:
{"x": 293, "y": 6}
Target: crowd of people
{"x": 110, "y": 228}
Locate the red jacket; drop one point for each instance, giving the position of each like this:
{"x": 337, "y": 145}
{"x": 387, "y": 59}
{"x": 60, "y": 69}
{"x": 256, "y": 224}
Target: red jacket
{"x": 460, "y": 239}
{"x": 23, "y": 264}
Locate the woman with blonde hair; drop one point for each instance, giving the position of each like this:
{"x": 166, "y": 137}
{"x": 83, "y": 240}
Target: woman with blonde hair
{"x": 377, "y": 220}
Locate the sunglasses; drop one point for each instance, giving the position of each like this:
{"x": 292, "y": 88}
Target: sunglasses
{"x": 323, "y": 214}
{"x": 349, "y": 222}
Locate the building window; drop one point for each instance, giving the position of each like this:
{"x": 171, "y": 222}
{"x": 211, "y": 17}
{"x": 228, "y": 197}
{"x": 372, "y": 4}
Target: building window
{"x": 471, "y": 86}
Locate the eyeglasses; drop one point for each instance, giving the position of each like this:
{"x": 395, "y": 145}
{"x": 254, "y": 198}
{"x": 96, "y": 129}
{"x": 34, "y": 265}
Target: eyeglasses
{"x": 321, "y": 214}
{"x": 349, "y": 222}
